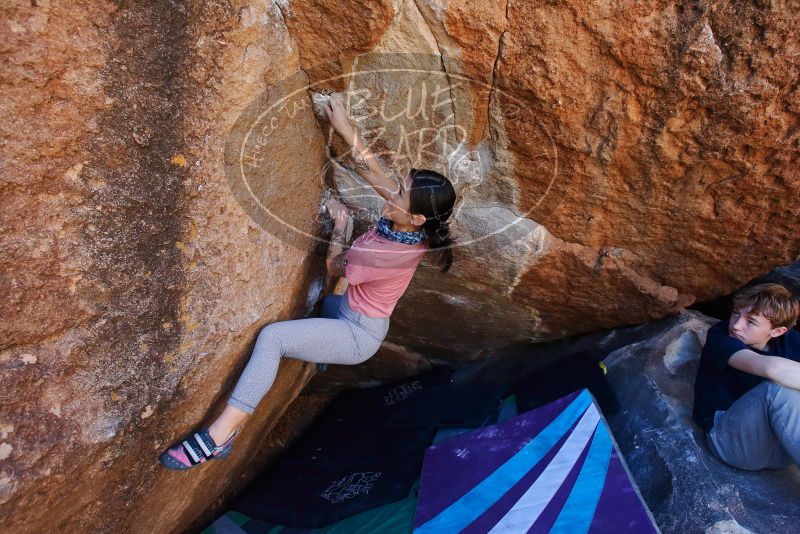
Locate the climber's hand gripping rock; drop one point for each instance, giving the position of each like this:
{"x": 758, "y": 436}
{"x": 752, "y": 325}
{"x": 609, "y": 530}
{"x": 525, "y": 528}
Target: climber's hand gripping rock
{"x": 338, "y": 212}
{"x": 337, "y": 115}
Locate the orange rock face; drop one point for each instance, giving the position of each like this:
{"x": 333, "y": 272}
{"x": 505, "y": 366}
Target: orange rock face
{"x": 628, "y": 160}
{"x": 162, "y": 167}
{"x": 675, "y": 150}
{"x": 134, "y": 282}
{"x": 334, "y": 32}
{"x": 675, "y": 159}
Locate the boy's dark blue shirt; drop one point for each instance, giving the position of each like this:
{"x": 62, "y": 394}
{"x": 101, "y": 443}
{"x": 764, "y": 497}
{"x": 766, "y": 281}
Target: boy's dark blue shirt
{"x": 718, "y": 385}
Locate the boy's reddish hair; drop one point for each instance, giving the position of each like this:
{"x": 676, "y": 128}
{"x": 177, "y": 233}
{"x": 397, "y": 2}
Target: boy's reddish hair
{"x": 771, "y": 300}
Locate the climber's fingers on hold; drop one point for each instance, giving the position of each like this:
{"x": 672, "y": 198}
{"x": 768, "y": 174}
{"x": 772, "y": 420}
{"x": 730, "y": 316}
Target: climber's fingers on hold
{"x": 337, "y": 106}
{"x": 336, "y": 209}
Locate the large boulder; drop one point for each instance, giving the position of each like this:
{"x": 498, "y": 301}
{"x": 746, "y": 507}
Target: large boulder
{"x": 133, "y": 281}
{"x": 686, "y": 488}
{"x": 614, "y": 162}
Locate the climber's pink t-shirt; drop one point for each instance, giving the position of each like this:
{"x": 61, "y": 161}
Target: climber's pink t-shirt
{"x": 378, "y": 272}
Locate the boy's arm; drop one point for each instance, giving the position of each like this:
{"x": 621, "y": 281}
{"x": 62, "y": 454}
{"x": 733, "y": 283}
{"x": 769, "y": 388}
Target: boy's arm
{"x": 780, "y": 370}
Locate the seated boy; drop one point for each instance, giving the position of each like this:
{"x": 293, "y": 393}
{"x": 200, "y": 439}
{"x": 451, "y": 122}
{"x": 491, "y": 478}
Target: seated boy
{"x": 746, "y": 394}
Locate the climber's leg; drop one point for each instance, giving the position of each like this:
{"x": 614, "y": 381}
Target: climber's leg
{"x": 349, "y": 340}
{"x": 330, "y": 306}
{"x": 329, "y": 310}
{"x": 228, "y": 421}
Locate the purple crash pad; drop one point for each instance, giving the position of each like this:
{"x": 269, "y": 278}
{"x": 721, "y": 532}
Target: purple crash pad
{"x": 552, "y": 469}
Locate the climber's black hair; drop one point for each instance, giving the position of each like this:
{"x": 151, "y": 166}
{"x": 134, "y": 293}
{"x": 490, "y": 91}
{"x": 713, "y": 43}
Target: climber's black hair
{"x": 433, "y": 196}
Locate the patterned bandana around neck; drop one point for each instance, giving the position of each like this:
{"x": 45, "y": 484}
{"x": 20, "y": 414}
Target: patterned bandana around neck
{"x": 409, "y": 238}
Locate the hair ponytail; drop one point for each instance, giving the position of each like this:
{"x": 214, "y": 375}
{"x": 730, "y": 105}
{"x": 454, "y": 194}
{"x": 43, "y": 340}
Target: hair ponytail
{"x": 439, "y": 239}
{"x": 433, "y": 196}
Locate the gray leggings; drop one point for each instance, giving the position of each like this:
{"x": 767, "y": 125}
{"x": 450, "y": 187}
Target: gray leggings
{"x": 342, "y": 336}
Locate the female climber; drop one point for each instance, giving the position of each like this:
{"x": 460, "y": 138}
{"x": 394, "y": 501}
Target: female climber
{"x": 379, "y": 266}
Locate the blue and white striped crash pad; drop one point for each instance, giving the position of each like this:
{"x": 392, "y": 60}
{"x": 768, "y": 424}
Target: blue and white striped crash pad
{"x": 552, "y": 469}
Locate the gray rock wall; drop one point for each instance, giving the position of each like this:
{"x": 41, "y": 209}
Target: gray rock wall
{"x": 686, "y": 488}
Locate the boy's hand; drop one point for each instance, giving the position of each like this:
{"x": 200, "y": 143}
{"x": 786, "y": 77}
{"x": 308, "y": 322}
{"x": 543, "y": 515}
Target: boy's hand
{"x": 337, "y": 115}
{"x": 338, "y": 212}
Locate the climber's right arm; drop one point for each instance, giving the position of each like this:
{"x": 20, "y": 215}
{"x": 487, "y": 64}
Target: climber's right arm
{"x": 370, "y": 168}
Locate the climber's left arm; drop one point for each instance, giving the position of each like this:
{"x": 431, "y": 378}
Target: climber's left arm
{"x": 337, "y": 264}
{"x": 337, "y": 255}
{"x": 368, "y": 165}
